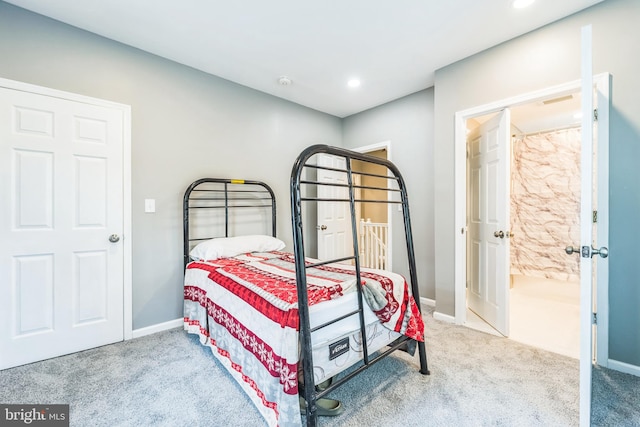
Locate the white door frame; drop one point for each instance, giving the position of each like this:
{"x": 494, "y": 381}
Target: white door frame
{"x": 384, "y": 145}
{"x": 126, "y": 180}
{"x": 602, "y": 82}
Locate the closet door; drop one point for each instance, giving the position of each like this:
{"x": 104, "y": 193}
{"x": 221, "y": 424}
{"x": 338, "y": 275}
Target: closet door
{"x": 61, "y": 226}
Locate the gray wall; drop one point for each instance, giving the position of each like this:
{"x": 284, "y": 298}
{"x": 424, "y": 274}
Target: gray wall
{"x": 540, "y": 59}
{"x": 408, "y": 124}
{"x": 185, "y": 125}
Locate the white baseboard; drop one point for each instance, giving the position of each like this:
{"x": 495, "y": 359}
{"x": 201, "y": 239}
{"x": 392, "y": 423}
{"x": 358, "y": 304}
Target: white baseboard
{"x": 437, "y": 315}
{"x": 624, "y": 367}
{"x": 427, "y": 302}
{"x": 137, "y": 333}
{"x": 444, "y": 317}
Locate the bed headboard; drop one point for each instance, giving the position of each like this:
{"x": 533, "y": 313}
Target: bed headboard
{"x": 220, "y": 207}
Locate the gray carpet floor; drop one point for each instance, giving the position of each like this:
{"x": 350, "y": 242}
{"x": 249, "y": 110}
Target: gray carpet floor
{"x": 169, "y": 379}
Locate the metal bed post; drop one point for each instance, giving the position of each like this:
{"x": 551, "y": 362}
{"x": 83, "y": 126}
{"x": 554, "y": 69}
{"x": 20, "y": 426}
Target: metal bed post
{"x": 303, "y": 309}
{"x": 424, "y": 369}
{"x": 356, "y": 252}
{"x": 226, "y": 209}
{"x": 185, "y": 222}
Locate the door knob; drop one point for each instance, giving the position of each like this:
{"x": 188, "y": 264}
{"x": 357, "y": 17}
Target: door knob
{"x": 570, "y": 250}
{"x": 603, "y": 252}
{"x": 321, "y": 227}
{"x": 114, "y": 238}
{"x": 499, "y": 234}
{"x": 588, "y": 252}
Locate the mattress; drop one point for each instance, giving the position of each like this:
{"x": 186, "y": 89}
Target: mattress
{"x": 339, "y": 346}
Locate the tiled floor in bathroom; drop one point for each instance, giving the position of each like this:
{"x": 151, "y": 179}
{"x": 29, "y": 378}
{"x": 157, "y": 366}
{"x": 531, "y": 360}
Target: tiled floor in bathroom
{"x": 544, "y": 313}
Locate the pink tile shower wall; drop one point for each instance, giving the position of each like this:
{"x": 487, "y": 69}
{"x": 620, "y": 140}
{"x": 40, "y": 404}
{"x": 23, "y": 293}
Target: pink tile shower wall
{"x": 545, "y": 204}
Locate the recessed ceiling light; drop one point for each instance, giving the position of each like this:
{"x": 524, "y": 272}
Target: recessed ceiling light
{"x": 520, "y": 4}
{"x": 353, "y": 83}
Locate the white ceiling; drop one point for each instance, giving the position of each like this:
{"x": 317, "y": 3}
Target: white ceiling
{"x": 393, "y": 47}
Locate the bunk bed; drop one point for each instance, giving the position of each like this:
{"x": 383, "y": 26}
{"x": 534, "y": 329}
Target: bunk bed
{"x": 282, "y": 323}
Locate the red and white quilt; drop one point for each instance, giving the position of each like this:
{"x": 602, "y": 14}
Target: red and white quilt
{"x": 245, "y": 308}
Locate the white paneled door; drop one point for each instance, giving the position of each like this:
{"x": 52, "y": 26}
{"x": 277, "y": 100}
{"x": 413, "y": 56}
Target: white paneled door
{"x": 61, "y": 226}
{"x": 488, "y": 223}
{"x": 334, "y": 220}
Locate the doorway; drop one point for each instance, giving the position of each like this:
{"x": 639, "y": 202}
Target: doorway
{"x": 602, "y": 87}
{"x": 375, "y": 219}
{"x": 544, "y": 207}
{"x": 334, "y": 235}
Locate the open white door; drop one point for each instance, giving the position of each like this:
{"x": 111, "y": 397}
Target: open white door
{"x": 586, "y": 230}
{"x": 488, "y": 222}
{"x": 588, "y": 253}
{"x": 334, "y": 219}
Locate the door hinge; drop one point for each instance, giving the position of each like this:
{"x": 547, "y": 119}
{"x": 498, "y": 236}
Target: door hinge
{"x": 594, "y": 320}
{"x": 595, "y": 216}
{"x": 595, "y": 115}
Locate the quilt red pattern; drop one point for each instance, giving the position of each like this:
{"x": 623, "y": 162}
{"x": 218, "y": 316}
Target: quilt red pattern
{"x": 272, "y": 362}
{"x": 263, "y": 288}
{"x": 279, "y": 283}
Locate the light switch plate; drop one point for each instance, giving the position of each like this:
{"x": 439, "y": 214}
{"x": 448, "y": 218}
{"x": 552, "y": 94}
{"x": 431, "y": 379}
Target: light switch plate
{"x": 149, "y": 205}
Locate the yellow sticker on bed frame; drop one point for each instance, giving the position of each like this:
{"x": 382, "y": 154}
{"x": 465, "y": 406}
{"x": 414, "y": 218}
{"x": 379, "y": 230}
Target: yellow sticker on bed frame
{"x": 237, "y": 181}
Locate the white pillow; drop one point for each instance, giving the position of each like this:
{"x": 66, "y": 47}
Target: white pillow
{"x": 226, "y": 247}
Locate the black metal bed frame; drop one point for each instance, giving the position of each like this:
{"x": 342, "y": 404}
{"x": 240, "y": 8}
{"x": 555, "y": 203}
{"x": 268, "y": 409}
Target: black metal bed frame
{"x": 305, "y": 162}
{"x": 263, "y": 196}
{"x": 218, "y": 193}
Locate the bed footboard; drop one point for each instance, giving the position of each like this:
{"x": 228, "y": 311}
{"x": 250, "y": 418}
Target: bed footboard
{"x": 308, "y": 186}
